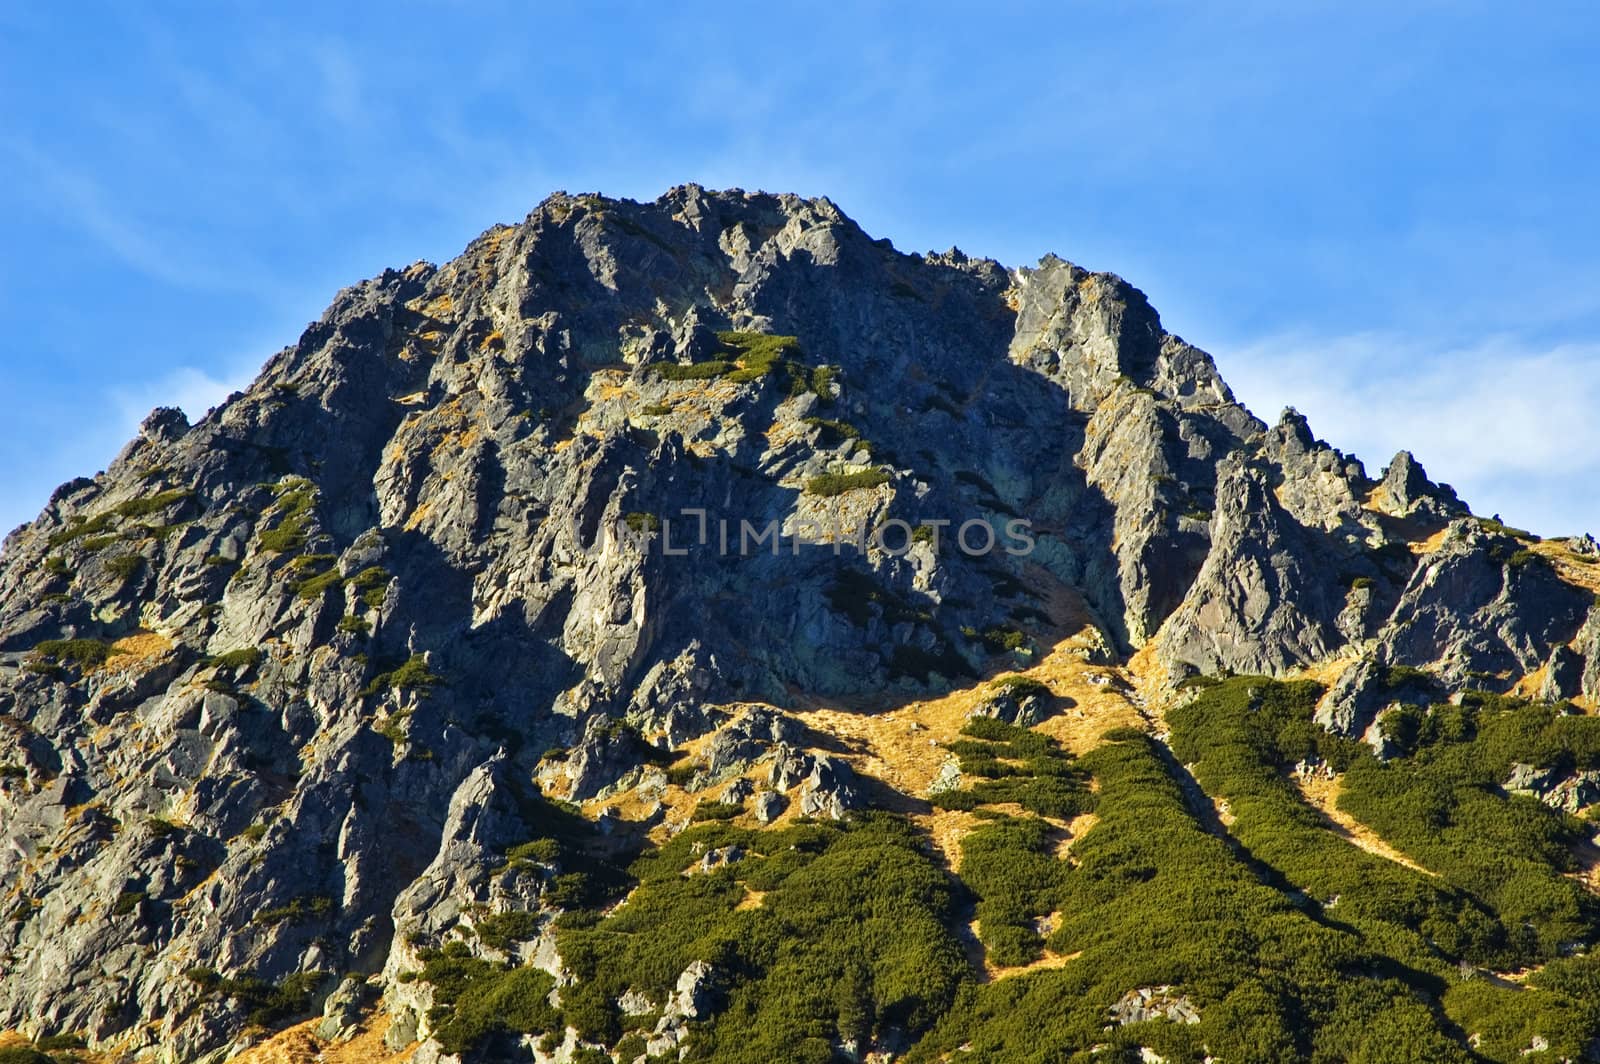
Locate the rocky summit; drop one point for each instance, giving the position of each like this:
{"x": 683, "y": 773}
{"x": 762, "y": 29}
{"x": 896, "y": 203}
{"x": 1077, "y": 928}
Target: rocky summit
{"x": 697, "y": 630}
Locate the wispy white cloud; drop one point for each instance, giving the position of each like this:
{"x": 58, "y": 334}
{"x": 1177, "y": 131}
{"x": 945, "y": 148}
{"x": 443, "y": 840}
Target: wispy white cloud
{"x": 1512, "y": 425}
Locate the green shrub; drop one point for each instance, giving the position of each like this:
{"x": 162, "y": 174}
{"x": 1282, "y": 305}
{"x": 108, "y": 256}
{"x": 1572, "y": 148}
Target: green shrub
{"x": 475, "y": 998}
{"x": 60, "y": 1041}
{"x": 657, "y": 409}
{"x": 716, "y": 811}
{"x": 299, "y": 910}
{"x": 314, "y": 587}
{"x": 500, "y": 930}
{"x": 372, "y": 585}
{"x": 758, "y": 354}
{"x": 853, "y": 928}
{"x": 832, "y": 433}
{"x": 1021, "y": 687}
{"x": 1000, "y": 639}
{"x": 640, "y": 522}
{"x": 266, "y": 1003}
{"x": 152, "y": 504}
{"x": 694, "y": 371}
{"x": 160, "y": 827}
{"x": 124, "y": 566}
{"x": 1008, "y": 864}
{"x": 412, "y": 675}
{"x": 355, "y": 625}
{"x": 544, "y": 851}
{"x": 56, "y": 565}
{"x": 1155, "y": 899}
{"x": 11, "y": 771}
{"x": 23, "y": 1055}
{"x": 78, "y": 527}
{"x": 296, "y": 498}
{"x": 1013, "y": 764}
{"x": 394, "y": 728}
{"x": 821, "y": 382}
{"x": 84, "y": 653}
{"x": 126, "y": 902}
{"x": 829, "y": 485}
{"x": 239, "y": 659}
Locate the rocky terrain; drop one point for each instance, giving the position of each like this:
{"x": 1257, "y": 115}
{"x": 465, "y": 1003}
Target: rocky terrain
{"x": 506, "y": 672}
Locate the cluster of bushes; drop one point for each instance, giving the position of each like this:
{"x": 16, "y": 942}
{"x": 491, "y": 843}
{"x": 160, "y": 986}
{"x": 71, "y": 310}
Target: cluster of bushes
{"x": 832, "y": 433}
{"x": 998, "y": 639}
{"x": 851, "y": 937}
{"x": 151, "y": 504}
{"x": 747, "y": 356}
{"x": 241, "y": 658}
{"x": 1499, "y": 898}
{"x": 296, "y": 497}
{"x": 829, "y": 485}
{"x": 88, "y": 529}
{"x": 859, "y": 597}
{"x": 267, "y": 1003}
{"x": 1009, "y": 865}
{"x": 313, "y": 574}
{"x": 1013, "y": 764}
{"x": 1156, "y": 900}
{"x": 475, "y": 999}
{"x": 1021, "y": 687}
{"x": 412, "y": 674}
{"x": 298, "y": 910}
{"x": 1443, "y": 804}
{"x": 83, "y": 653}
{"x": 1240, "y": 736}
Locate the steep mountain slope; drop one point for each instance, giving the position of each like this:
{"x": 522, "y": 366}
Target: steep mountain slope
{"x": 390, "y": 677}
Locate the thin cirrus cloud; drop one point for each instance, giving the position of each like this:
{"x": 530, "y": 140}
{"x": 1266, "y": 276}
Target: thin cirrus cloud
{"x": 1509, "y": 424}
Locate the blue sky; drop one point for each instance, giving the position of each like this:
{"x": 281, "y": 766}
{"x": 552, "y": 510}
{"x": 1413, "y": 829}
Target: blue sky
{"x": 1386, "y": 218}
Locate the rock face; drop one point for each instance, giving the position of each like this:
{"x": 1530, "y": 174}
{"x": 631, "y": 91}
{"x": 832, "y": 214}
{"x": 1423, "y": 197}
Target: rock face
{"x": 280, "y": 687}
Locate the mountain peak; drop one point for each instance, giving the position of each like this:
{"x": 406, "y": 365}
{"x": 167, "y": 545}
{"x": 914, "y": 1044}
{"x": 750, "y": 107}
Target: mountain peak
{"x": 633, "y": 504}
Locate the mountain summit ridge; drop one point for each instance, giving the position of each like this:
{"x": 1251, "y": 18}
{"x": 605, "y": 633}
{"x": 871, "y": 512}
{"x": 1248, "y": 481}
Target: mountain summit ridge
{"x": 283, "y": 688}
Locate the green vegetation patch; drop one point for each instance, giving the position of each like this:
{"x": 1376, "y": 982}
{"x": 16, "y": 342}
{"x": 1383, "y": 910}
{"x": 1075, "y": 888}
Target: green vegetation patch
{"x": 851, "y": 937}
{"x": 296, "y": 499}
{"x": 476, "y": 998}
{"x": 299, "y": 910}
{"x": 79, "y": 526}
{"x": 1013, "y": 764}
{"x": 372, "y": 584}
{"x": 152, "y": 504}
{"x": 1020, "y": 687}
{"x": 125, "y": 566}
{"x": 84, "y": 653}
{"x": 828, "y": 485}
{"x": 1009, "y": 865}
{"x": 831, "y": 432}
{"x": 237, "y": 659}
{"x": 413, "y": 674}
{"x": 267, "y": 1003}
{"x": 1442, "y": 803}
{"x": 1499, "y": 900}
{"x": 692, "y": 371}
{"x": 1153, "y": 900}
